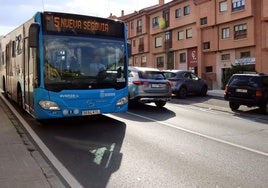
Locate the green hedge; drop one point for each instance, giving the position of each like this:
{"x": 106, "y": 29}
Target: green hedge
{"x": 237, "y": 69}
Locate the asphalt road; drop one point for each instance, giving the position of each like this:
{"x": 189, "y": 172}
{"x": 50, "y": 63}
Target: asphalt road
{"x": 195, "y": 142}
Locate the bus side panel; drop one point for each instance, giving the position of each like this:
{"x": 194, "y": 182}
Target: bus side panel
{"x": 2, "y": 62}
{"x": 13, "y": 71}
{"x": 28, "y": 67}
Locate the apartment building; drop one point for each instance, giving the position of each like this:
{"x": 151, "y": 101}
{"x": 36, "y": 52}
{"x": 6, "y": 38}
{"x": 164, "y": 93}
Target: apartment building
{"x": 205, "y": 36}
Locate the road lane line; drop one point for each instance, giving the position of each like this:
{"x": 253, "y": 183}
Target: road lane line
{"x": 199, "y": 134}
{"x": 56, "y": 163}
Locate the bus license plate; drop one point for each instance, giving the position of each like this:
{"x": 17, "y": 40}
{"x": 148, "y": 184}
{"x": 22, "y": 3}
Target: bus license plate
{"x": 90, "y": 112}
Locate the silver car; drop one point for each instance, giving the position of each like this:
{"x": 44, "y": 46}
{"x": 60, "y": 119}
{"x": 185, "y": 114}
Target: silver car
{"x": 186, "y": 82}
{"x": 146, "y": 85}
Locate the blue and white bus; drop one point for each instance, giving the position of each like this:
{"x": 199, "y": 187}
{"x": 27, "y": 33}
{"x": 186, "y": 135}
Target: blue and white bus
{"x": 45, "y": 65}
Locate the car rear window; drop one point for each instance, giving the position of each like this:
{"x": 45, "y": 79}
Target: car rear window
{"x": 253, "y": 81}
{"x": 169, "y": 74}
{"x": 152, "y": 75}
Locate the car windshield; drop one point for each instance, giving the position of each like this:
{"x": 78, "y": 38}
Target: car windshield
{"x": 73, "y": 62}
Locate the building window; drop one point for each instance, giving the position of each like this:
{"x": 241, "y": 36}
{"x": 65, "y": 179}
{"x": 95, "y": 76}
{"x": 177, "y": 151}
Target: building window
{"x": 225, "y": 57}
{"x": 238, "y": 5}
{"x": 136, "y": 61}
{"x": 168, "y": 35}
{"x": 160, "y": 62}
{"x": 139, "y": 26}
{"x": 178, "y": 13}
{"x": 131, "y": 25}
{"x": 186, "y": 10}
{"x": 141, "y": 44}
{"x": 240, "y": 31}
{"x": 134, "y": 43}
{"x": 206, "y": 45}
{"x": 189, "y": 33}
{"x": 245, "y": 55}
{"x": 155, "y": 22}
{"x": 209, "y": 69}
{"x": 180, "y": 35}
{"x": 168, "y": 39}
{"x": 225, "y": 33}
{"x": 143, "y": 61}
{"x": 223, "y": 6}
{"x": 166, "y": 17}
{"x": 182, "y": 57}
{"x": 204, "y": 21}
{"x": 158, "y": 42}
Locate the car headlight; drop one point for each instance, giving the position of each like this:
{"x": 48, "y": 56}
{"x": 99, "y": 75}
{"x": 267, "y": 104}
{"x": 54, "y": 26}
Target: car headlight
{"x": 122, "y": 101}
{"x": 49, "y": 105}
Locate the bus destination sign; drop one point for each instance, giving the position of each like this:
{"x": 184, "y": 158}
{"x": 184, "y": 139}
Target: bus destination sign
{"x": 78, "y": 24}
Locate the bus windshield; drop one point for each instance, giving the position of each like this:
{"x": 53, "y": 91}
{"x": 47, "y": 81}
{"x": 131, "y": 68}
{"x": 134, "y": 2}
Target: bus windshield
{"x": 77, "y": 62}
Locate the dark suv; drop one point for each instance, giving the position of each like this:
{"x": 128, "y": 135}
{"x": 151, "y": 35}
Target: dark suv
{"x": 247, "y": 89}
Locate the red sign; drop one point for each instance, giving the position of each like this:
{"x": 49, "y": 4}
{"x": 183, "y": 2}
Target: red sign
{"x": 192, "y": 58}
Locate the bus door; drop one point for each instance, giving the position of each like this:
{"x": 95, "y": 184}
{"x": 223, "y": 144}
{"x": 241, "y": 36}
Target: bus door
{"x": 28, "y": 77}
{"x": 9, "y": 71}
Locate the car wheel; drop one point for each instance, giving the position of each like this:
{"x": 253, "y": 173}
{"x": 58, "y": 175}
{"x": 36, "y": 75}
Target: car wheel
{"x": 182, "y": 93}
{"x": 263, "y": 109}
{"x": 160, "y": 104}
{"x": 204, "y": 91}
{"x": 234, "y": 106}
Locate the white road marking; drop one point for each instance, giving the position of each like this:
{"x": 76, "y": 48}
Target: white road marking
{"x": 195, "y": 133}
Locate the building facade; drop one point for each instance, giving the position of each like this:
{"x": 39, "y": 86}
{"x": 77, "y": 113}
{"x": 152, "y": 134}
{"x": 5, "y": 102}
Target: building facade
{"x": 205, "y": 36}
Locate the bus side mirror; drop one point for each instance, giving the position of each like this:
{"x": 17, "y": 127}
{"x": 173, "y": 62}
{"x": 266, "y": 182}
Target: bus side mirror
{"x": 129, "y": 49}
{"x": 33, "y": 35}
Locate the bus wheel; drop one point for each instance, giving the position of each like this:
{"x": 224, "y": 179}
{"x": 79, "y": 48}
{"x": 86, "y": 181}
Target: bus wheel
{"x": 19, "y": 97}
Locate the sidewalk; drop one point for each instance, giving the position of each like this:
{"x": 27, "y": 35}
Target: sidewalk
{"x": 216, "y": 93}
{"x": 21, "y": 165}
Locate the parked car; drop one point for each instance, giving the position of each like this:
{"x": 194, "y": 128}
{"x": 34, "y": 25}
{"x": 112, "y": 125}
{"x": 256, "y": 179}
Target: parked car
{"x": 247, "y": 89}
{"x": 148, "y": 85}
{"x": 186, "y": 82}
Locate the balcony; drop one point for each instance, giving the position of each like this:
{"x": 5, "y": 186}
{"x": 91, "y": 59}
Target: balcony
{"x": 141, "y": 47}
{"x": 168, "y": 44}
{"x": 139, "y": 29}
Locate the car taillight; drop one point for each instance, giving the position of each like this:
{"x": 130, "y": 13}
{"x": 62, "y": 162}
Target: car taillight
{"x": 140, "y": 83}
{"x": 226, "y": 89}
{"x": 258, "y": 93}
{"x": 168, "y": 83}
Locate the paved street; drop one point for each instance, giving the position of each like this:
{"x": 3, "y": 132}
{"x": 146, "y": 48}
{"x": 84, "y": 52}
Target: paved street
{"x": 195, "y": 142}
{"x": 69, "y": 73}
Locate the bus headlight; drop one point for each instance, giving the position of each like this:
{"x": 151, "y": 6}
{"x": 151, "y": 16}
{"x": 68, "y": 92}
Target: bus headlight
{"x": 122, "y": 101}
{"x": 49, "y": 105}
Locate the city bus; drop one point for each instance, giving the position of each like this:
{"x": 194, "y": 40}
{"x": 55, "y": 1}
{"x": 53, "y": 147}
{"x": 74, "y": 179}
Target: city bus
{"x": 45, "y": 65}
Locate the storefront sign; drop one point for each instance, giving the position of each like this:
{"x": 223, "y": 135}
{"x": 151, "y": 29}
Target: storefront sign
{"x": 245, "y": 61}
